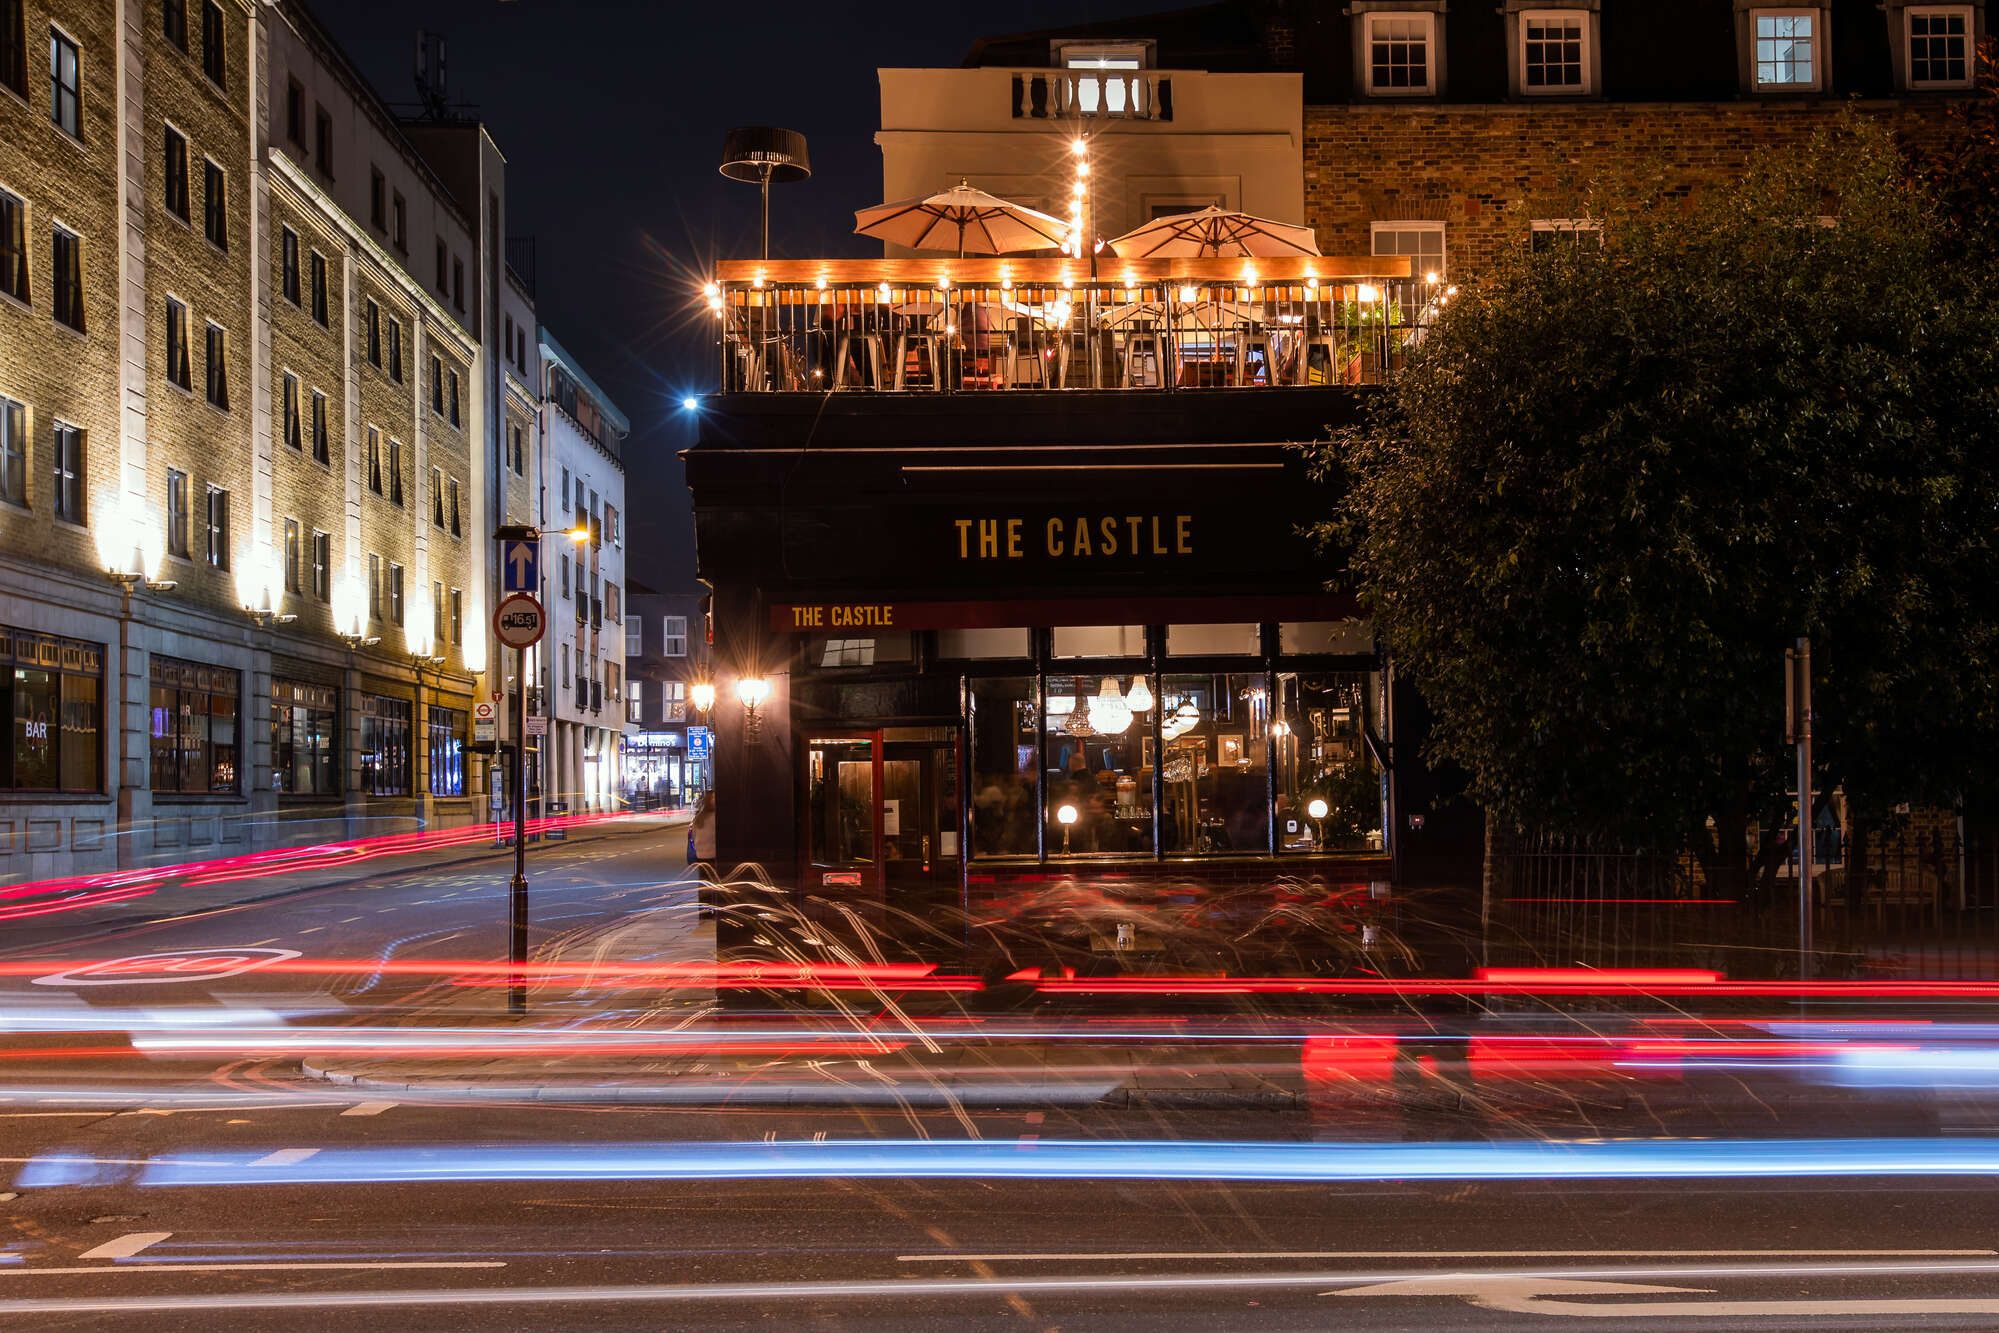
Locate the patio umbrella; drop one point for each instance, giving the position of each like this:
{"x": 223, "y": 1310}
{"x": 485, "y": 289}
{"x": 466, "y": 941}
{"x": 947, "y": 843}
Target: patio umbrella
{"x": 964, "y": 220}
{"x": 1215, "y": 233}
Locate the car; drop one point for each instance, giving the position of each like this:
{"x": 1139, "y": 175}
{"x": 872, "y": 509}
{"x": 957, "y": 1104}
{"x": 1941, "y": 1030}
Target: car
{"x": 701, "y": 830}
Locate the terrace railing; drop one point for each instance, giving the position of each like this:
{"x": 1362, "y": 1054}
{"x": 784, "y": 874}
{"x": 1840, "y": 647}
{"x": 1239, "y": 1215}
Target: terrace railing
{"x": 928, "y": 326}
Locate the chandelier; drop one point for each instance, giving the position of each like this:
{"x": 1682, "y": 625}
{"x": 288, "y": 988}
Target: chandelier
{"x": 1109, "y": 713}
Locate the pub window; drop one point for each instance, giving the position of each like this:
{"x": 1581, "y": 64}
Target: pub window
{"x": 178, "y": 370}
{"x": 1343, "y": 637}
{"x": 319, "y": 288}
{"x": 13, "y": 452}
{"x": 446, "y": 727}
{"x": 877, "y": 650}
{"x": 65, "y": 84}
{"x": 305, "y": 744}
{"x": 214, "y": 204}
{"x": 984, "y": 644}
{"x": 1098, "y": 641}
{"x": 13, "y": 245}
{"x": 214, "y": 56}
{"x": 294, "y": 428}
{"x": 385, "y": 745}
{"x": 1215, "y": 733}
{"x": 174, "y": 173}
{"x": 52, "y": 696}
{"x": 322, "y": 566}
{"x": 217, "y": 367}
{"x": 68, "y": 456}
{"x": 66, "y": 270}
{"x": 294, "y": 558}
{"x": 1319, "y": 736}
{"x": 1099, "y": 766}
{"x": 1004, "y": 758}
{"x": 396, "y": 472}
{"x": 177, "y": 515}
{"x": 195, "y": 713}
{"x": 374, "y": 322}
{"x": 288, "y": 259}
{"x": 320, "y": 447}
{"x": 216, "y": 520}
{"x": 1213, "y": 640}
{"x": 674, "y": 640}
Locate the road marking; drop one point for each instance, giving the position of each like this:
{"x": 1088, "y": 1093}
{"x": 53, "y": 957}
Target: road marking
{"x": 1196, "y": 1255}
{"x": 1527, "y": 1294}
{"x": 169, "y": 1266}
{"x": 284, "y": 1157}
{"x": 367, "y": 1108}
{"x": 124, "y": 1247}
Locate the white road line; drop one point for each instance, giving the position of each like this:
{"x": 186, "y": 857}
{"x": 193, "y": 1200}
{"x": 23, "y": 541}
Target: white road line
{"x": 284, "y": 1157}
{"x": 1194, "y": 1255}
{"x": 124, "y": 1247}
{"x": 367, "y": 1108}
{"x": 273, "y": 1266}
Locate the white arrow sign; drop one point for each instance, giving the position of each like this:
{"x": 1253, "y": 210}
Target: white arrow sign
{"x": 1530, "y": 1295}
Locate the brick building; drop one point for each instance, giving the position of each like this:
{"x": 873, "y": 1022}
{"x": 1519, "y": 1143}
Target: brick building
{"x": 666, "y": 656}
{"x": 255, "y": 426}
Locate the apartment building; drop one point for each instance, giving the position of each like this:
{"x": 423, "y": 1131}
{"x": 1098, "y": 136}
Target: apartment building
{"x": 667, "y": 742}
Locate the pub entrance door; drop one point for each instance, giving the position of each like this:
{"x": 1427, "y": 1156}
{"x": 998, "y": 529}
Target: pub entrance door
{"x": 882, "y": 811}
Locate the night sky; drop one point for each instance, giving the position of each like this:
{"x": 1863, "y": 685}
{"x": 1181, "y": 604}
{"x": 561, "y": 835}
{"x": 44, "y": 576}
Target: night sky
{"x": 611, "y": 116}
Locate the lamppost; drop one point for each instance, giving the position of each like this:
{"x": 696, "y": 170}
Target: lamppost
{"x": 701, "y": 694}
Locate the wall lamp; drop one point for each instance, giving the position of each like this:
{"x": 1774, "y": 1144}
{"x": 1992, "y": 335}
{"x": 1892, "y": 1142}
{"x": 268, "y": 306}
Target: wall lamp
{"x": 357, "y": 640}
{"x": 751, "y": 691}
{"x": 133, "y": 574}
{"x": 702, "y": 695}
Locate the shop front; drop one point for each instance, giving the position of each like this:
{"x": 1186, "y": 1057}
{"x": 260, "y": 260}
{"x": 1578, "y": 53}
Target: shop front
{"x": 1007, "y": 692}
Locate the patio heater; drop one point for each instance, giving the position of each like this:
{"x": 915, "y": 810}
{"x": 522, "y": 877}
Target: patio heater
{"x": 764, "y": 155}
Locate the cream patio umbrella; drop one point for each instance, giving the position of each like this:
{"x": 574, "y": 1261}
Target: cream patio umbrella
{"x": 964, "y": 221}
{"x": 1215, "y": 233}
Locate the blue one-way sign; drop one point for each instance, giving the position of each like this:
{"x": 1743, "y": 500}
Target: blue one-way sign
{"x": 520, "y": 566}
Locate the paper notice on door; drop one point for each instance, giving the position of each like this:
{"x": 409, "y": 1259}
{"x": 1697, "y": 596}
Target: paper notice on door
{"x": 891, "y": 818}
{"x": 947, "y": 845}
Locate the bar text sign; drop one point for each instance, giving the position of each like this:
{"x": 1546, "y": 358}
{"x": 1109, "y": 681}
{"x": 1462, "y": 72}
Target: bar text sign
{"x": 1075, "y": 537}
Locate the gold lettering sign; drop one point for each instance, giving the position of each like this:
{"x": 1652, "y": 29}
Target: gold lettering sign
{"x": 1082, "y": 536}
{"x": 844, "y": 615}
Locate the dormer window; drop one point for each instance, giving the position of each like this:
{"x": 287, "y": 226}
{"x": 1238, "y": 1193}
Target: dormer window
{"x": 1399, "y": 53}
{"x": 1787, "y": 50}
{"x": 1109, "y": 92}
{"x": 1554, "y": 49}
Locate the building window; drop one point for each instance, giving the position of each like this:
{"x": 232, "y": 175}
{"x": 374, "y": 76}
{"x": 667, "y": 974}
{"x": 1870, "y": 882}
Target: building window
{"x": 294, "y": 427}
{"x": 1423, "y": 242}
{"x": 195, "y": 711}
{"x": 443, "y": 289}
{"x": 453, "y": 400}
{"x": 177, "y": 513}
{"x": 634, "y": 636}
{"x": 173, "y": 22}
{"x": 635, "y": 701}
{"x": 322, "y": 566}
{"x": 565, "y": 573}
{"x": 1399, "y": 51}
{"x": 1786, "y": 51}
{"x": 1548, "y": 233}
{"x": 396, "y": 350}
{"x": 66, "y": 269}
{"x": 612, "y": 528}
{"x": 177, "y": 353}
{"x": 458, "y": 284}
{"x": 318, "y": 288}
{"x": 378, "y": 199}
{"x": 294, "y": 558}
{"x": 437, "y": 497}
{"x": 395, "y": 594}
{"x": 1324, "y": 755}
{"x": 457, "y": 529}
{"x": 1939, "y": 43}
{"x": 288, "y": 264}
{"x": 218, "y": 367}
{"x": 214, "y": 205}
{"x": 374, "y": 321}
{"x": 396, "y": 472}
{"x": 374, "y": 587}
{"x": 305, "y": 739}
{"x": 214, "y": 54}
{"x": 399, "y": 222}
{"x": 174, "y": 164}
{"x": 321, "y": 452}
{"x": 13, "y": 453}
{"x": 322, "y": 138}
{"x": 515, "y": 454}
{"x": 673, "y": 641}
{"x": 14, "y": 45}
{"x": 68, "y": 450}
{"x": 447, "y": 751}
{"x": 1005, "y": 750}
{"x": 13, "y": 245}
{"x": 565, "y": 488}
{"x": 295, "y": 112}
{"x": 457, "y": 618}
{"x": 436, "y": 384}
{"x": 217, "y": 523}
{"x": 65, "y": 85}
{"x": 52, "y": 703}
{"x": 385, "y": 745}
{"x": 1554, "y": 51}
{"x": 437, "y": 639}
{"x": 375, "y": 460}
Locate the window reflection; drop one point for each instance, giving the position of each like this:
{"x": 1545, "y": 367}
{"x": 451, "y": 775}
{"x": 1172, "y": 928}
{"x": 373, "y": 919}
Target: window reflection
{"x": 1003, "y": 761}
{"x": 1319, "y": 728}
{"x": 1099, "y": 766}
{"x": 841, "y": 779}
{"x": 1215, "y": 729}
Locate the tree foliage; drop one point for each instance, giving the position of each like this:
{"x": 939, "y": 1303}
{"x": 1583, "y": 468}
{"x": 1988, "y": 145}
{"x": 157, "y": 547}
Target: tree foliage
{"x": 1616, "y": 481}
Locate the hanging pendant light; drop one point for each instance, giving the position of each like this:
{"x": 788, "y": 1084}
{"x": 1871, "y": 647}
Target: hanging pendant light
{"x": 1139, "y": 700}
{"x": 1109, "y": 713}
{"x": 1189, "y": 715}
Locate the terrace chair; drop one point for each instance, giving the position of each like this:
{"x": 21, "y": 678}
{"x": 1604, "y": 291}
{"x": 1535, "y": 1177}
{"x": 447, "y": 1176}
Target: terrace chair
{"x": 917, "y": 364}
{"x": 1026, "y": 367}
{"x": 857, "y": 361}
{"x": 1143, "y": 355}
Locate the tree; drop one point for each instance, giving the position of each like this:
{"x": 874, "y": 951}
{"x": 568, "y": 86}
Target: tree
{"x": 1616, "y": 481}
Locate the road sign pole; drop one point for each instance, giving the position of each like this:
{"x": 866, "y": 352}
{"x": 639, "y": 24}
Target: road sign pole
{"x": 517, "y": 892}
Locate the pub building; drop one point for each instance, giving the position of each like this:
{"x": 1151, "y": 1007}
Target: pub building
{"x": 1005, "y": 665}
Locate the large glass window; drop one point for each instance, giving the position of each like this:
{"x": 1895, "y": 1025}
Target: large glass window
{"x": 305, "y": 748}
{"x": 1215, "y": 775}
{"x": 385, "y": 745}
{"x": 1328, "y": 787}
{"x": 1004, "y": 741}
{"x": 51, "y": 694}
{"x": 985, "y": 643}
{"x": 1099, "y": 765}
{"x": 447, "y": 751}
{"x": 1214, "y": 640}
{"x": 195, "y": 713}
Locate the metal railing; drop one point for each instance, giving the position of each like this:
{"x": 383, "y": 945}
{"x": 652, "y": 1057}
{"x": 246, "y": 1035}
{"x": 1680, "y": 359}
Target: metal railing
{"x": 945, "y": 337}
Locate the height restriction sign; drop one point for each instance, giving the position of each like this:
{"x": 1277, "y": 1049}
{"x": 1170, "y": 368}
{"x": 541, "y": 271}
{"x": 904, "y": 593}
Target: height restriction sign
{"x": 518, "y": 621}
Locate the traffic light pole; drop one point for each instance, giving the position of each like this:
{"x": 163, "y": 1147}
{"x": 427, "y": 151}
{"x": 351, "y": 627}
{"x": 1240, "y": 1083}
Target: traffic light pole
{"x": 517, "y": 891}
